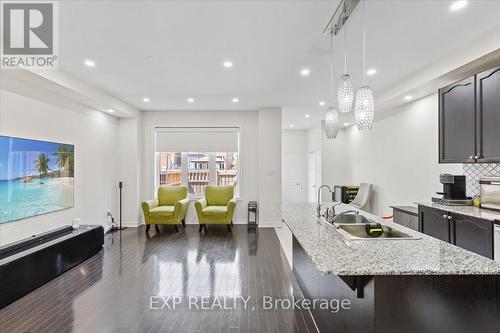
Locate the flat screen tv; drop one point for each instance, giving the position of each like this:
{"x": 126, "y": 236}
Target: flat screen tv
{"x": 36, "y": 177}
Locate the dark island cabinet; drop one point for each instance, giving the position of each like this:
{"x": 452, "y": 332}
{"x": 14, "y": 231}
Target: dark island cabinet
{"x": 469, "y": 119}
{"x": 488, "y": 121}
{"x": 467, "y": 232}
{"x": 435, "y": 223}
{"x": 473, "y": 234}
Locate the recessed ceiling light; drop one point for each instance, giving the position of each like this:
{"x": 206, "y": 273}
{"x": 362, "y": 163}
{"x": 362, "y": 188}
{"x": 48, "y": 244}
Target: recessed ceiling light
{"x": 227, "y": 64}
{"x": 235, "y": 100}
{"x": 292, "y": 125}
{"x": 408, "y": 97}
{"x": 322, "y": 103}
{"x": 307, "y": 115}
{"x": 190, "y": 100}
{"x": 346, "y": 124}
{"x": 371, "y": 71}
{"x": 457, "y": 5}
{"x": 305, "y": 71}
{"x": 110, "y": 110}
{"x": 89, "y": 63}
{"x": 145, "y": 99}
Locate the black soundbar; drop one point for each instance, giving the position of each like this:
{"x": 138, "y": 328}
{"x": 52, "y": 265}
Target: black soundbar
{"x": 30, "y": 263}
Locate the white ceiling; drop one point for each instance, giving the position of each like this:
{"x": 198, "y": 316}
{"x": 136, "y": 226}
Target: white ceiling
{"x": 268, "y": 42}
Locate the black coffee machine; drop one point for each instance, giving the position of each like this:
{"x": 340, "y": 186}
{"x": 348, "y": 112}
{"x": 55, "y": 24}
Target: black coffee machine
{"x": 454, "y": 191}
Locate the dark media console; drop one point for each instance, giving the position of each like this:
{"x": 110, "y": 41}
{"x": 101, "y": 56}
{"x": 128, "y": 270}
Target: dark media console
{"x": 30, "y": 263}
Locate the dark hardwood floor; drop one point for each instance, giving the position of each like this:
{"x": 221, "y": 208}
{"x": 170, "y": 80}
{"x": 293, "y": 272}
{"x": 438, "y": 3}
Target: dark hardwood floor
{"x": 112, "y": 291}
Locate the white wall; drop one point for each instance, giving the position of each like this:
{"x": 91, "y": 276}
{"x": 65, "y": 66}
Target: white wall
{"x": 399, "y": 156}
{"x": 314, "y": 147}
{"x": 335, "y": 166}
{"x": 269, "y": 145}
{"x": 295, "y": 142}
{"x": 129, "y": 170}
{"x": 248, "y": 123}
{"x": 94, "y": 135}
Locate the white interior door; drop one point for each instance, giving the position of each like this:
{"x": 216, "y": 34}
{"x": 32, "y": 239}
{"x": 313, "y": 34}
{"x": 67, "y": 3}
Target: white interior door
{"x": 291, "y": 178}
{"x": 312, "y": 179}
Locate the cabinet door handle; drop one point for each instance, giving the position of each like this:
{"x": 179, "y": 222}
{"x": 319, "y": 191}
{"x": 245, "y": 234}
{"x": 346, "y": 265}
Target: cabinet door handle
{"x": 445, "y": 216}
{"x": 471, "y": 157}
{"x": 477, "y": 157}
{"x": 450, "y": 217}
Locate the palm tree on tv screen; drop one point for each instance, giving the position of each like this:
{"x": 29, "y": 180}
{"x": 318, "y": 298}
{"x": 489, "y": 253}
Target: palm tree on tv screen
{"x": 42, "y": 164}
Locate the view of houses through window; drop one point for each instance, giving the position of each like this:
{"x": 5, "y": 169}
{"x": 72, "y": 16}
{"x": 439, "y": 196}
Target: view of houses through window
{"x": 196, "y": 170}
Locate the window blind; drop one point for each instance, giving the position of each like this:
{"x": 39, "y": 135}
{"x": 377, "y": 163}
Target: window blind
{"x": 196, "y": 139}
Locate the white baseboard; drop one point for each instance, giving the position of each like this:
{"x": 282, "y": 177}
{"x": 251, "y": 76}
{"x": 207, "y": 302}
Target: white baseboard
{"x": 130, "y": 224}
{"x": 237, "y": 221}
{"x": 195, "y": 222}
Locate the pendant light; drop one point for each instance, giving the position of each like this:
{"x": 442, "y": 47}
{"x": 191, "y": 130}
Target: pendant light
{"x": 345, "y": 93}
{"x": 364, "y": 108}
{"x": 332, "y": 123}
{"x": 332, "y": 116}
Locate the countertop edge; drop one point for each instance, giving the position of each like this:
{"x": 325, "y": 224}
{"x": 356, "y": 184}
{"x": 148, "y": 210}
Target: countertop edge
{"x": 473, "y": 211}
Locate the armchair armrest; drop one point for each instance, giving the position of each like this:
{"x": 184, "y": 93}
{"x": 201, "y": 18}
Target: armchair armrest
{"x": 231, "y": 206}
{"x": 181, "y": 208}
{"x": 200, "y": 205}
{"x": 147, "y": 206}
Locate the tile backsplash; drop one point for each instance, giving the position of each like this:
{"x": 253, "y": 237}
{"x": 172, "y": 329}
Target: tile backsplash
{"x": 474, "y": 171}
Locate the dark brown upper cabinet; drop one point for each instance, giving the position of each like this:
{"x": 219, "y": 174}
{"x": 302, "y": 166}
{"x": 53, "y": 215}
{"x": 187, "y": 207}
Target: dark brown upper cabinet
{"x": 469, "y": 119}
{"x": 488, "y": 115}
{"x": 457, "y": 133}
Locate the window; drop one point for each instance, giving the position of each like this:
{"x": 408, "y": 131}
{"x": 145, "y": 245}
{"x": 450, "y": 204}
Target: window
{"x": 170, "y": 169}
{"x": 197, "y": 168}
{"x": 198, "y": 173}
{"x": 201, "y": 169}
{"x": 227, "y": 168}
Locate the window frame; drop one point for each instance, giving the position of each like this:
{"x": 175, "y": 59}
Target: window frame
{"x": 212, "y": 168}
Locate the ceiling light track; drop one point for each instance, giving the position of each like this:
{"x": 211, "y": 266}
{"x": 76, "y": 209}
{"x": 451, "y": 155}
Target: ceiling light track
{"x": 340, "y": 16}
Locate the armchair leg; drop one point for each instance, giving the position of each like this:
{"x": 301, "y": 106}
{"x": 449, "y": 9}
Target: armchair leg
{"x": 229, "y": 227}
{"x": 231, "y": 222}
{"x": 184, "y": 223}
{"x": 201, "y": 228}
{"x": 157, "y": 229}
{"x": 205, "y": 227}
{"x": 147, "y": 227}
{"x": 176, "y": 229}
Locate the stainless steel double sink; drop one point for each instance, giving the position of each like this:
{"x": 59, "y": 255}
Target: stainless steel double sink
{"x": 353, "y": 227}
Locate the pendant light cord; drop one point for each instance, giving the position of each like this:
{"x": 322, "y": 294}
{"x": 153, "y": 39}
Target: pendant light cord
{"x": 364, "y": 44}
{"x": 345, "y": 47}
{"x": 331, "y": 69}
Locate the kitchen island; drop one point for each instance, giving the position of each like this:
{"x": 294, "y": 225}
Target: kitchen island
{"x": 415, "y": 285}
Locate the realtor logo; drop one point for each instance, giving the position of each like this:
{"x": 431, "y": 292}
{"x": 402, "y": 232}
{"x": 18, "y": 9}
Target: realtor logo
{"x": 29, "y": 34}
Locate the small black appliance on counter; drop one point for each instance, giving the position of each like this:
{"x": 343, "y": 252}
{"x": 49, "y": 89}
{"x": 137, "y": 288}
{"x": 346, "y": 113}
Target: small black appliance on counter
{"x": 345, "y": 193}
{"x": 454, "y": 191}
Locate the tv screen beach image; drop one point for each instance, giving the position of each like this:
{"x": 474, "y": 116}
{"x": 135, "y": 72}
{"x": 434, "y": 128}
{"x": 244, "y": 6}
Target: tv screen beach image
{"x": 36, "y": 177}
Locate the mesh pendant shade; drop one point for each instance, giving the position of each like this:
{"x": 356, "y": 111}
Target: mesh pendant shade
{"x": 345, "y": 93}
{"x": 364, "y": 108}
{"x": 332, "y": 123}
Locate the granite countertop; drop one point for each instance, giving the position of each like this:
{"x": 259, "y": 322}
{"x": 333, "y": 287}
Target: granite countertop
{"x": 482, "y": 213}
{"x": 334, "y": 254}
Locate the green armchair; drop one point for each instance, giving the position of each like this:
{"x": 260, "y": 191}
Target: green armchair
{"x": 169, "y": 208}
{"x": 217, "y": 207}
